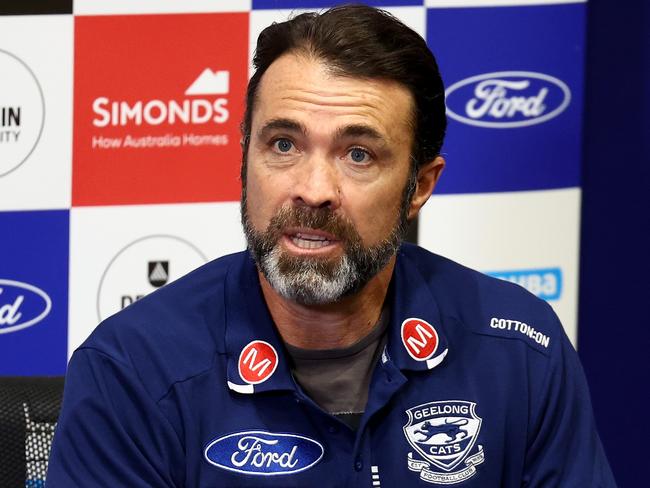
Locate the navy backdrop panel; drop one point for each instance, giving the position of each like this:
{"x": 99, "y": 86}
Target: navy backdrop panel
{"x": 33, "y": 273}
{"x": 614, "y": 329}
{"x": 506, "y": 39}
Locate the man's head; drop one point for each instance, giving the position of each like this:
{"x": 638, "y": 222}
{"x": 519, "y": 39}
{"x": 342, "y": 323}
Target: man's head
{"x": 343, "y": 127}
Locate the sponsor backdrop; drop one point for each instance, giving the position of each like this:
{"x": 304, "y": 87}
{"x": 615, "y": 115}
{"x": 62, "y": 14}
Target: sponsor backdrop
{"x": 119, "y": 151}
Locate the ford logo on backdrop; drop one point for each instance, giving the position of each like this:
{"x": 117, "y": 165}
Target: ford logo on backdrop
{"x": 21, "y": 305}
{"x": 507, "y": 99}
{"x": 264, "y": 453}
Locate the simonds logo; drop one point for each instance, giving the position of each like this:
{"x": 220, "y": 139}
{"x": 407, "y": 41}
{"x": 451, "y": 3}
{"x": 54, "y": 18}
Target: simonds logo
{"x": 507, "y": 99}
{"x": 195, "y": 110}
{"x": 264, "y": 453}
{"x": 21, "y": 305}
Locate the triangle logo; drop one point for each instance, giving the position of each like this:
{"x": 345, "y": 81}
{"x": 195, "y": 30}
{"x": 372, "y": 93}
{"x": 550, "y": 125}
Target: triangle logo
{"x": 210, "y": 83}
{"x": 158, "y": 273}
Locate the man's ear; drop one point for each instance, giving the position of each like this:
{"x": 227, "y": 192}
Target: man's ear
{"x": 428, "y": 176}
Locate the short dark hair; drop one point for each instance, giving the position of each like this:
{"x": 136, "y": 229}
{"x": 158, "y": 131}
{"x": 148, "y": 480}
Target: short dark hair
{"x": 364, "y": 42}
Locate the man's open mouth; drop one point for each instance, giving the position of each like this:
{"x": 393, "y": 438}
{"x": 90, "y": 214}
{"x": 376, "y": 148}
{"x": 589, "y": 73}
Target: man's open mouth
{"x": 310, "y": 240}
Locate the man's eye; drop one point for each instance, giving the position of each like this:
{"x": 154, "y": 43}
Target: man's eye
{"x": 283, "y": 145}
{"x": 358, "y": 155}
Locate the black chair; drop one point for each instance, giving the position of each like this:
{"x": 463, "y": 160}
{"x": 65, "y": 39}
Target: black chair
{"x": 29, "y": 409}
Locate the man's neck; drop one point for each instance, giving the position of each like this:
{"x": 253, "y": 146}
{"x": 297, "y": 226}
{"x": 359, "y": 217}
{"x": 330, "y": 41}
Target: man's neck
{"x": 333, "y": 325}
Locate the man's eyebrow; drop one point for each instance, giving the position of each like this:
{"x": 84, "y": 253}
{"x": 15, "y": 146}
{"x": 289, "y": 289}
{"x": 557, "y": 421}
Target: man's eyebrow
{"x": 348, "y": 131}
{"x": 281, "y": 124}
{"x": 359, "y": 130}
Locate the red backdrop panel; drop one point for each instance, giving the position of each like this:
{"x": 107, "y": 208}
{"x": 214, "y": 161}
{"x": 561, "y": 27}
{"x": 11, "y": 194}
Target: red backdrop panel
{"x": 157, "y": 104}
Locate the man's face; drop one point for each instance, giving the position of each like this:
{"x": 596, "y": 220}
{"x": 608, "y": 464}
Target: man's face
{"x": 324, "y": 206}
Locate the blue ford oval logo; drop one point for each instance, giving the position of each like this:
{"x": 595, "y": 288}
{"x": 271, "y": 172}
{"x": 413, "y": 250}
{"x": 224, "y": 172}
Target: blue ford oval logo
{"x": 21, "y": 305}
{"x": 264, "y": 453}
{"x": 507, "y": 99}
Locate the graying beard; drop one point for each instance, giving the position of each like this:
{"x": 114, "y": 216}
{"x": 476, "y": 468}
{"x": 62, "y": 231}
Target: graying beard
{"x": 308, "y": 285}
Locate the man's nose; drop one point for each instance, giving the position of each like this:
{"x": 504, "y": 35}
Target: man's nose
{"x": 317, "y": 183}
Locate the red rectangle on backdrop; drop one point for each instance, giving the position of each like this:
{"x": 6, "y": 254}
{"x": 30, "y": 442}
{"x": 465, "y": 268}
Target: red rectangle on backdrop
{"x": 158, "y": 100}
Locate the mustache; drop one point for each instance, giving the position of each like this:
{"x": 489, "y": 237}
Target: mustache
{"x": 313, "y": 218}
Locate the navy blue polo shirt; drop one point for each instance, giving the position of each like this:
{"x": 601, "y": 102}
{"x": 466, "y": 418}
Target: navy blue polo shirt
{"x": 478, "y": 386}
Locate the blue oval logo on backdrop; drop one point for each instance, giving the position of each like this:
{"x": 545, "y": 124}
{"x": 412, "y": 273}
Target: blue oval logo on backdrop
{"x": 21, "y": 305}
{"x": 264, "y": 453}
{"x": 507, "y": 99}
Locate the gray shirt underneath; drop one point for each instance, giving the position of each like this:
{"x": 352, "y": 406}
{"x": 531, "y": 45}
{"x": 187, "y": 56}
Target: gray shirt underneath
{"x": 338, "y": 379}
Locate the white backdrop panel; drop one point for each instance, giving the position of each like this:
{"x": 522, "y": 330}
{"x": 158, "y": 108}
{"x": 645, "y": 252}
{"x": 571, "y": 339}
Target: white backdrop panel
{"x": 36, "y": 58}
{"x": 513, "y": 232}
{"x": 119, "y": 253}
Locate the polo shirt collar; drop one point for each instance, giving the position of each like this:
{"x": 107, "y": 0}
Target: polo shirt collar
{"x": 416, "y": 332}
{"x": 249, "y": 323}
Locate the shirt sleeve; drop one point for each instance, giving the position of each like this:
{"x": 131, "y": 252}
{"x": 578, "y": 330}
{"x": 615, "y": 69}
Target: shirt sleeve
{"x": 564, "y": 447}
{"x": 111, "y": 433}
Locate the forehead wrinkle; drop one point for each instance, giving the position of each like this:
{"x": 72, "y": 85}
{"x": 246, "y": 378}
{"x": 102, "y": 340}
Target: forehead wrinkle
{"x": 352, "y": 97}
{"x": 375, "y": 125}
{"x": 305, "y": 90}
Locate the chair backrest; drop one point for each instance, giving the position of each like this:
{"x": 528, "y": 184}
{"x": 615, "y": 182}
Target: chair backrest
{"x": 29, "y": 409}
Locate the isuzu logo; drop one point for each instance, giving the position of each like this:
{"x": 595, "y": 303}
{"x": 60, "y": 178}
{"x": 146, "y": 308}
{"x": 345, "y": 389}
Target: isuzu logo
{"x": 507, "y": 99}
{"x": 264, "y": 453}
{"x": 21, "y": 305}
{"x": 546, "y": 283}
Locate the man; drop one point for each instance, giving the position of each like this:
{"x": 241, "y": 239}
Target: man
{"x": 329, "y": 354}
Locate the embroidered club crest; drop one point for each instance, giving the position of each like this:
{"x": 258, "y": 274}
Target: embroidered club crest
{"x": 444, "y": 435}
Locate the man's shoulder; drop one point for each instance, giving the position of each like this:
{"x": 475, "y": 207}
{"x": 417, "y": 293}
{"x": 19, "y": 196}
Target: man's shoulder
{"x": 173, "y": 333}
{"x": 486, "y": 305}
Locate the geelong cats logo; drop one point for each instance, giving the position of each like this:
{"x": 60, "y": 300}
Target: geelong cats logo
{"x": 444, "y": 435}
